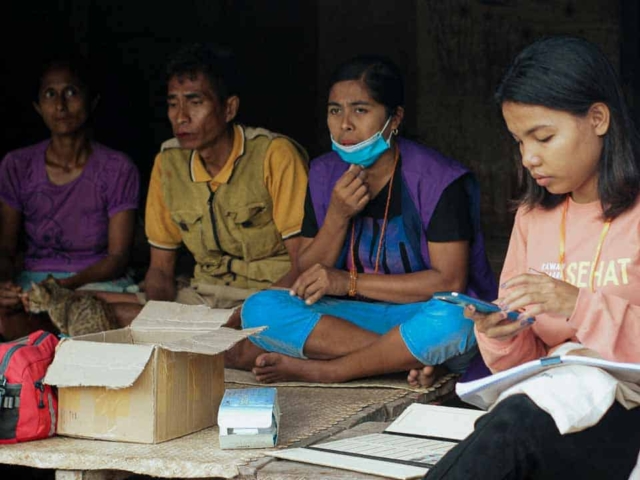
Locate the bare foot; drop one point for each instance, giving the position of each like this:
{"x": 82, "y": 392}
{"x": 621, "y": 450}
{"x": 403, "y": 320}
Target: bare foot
{"x": 426, "y": 376}
{"x": 275, "y": 367}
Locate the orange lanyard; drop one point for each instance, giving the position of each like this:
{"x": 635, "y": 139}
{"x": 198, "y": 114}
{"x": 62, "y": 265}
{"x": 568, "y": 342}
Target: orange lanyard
{"x": 384, "y": 223}
{"x": 563, "y": 236}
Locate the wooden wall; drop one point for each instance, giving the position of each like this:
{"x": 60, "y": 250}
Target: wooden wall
{"x": 464, "y": 48}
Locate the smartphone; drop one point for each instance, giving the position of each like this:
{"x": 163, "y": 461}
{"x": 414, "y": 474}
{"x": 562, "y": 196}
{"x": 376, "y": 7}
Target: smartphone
{"x": 480, "y": 305}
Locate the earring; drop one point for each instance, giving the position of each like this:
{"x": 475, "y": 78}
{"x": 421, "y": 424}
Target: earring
{"x": 394, "y": 131}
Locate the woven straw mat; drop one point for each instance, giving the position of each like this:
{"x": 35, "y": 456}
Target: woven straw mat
{"x": 443, "y": 385}
{"x": 305, "y": 412}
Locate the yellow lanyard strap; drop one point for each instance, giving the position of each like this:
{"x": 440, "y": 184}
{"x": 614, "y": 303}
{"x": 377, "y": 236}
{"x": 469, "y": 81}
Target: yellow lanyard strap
{"x": 563, "y": 237}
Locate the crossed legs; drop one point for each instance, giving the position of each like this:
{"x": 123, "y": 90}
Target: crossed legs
{"x": 325, "y": 342}
{"x": 339, "y": 340}
{"x": 331, "y": 359}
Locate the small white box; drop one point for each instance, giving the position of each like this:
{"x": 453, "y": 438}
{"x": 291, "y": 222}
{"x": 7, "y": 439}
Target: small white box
{"x": 249, "y": 418}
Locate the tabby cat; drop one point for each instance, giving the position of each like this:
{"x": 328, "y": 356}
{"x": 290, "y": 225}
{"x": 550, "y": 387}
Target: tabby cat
{"x": 72, "y": 313}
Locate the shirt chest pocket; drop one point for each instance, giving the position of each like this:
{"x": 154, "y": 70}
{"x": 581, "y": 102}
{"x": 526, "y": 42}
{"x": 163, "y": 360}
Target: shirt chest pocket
{"x": 254, "y": 215}
{"x": 254, "y": 230}
{"x": 191, "y": 228}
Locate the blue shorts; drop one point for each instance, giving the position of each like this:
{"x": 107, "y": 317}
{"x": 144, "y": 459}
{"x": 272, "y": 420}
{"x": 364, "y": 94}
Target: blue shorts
{"x": 122, "y": 284}
{"x": 434, "y": 332}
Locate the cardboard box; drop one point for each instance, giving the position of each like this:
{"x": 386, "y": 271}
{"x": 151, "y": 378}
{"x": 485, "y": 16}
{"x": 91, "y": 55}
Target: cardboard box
{"x": 160, "y": 378}
{"x": 249, "y": 418}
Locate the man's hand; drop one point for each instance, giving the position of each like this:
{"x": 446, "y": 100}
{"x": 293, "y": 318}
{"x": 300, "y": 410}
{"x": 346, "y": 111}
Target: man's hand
{"x": 318, "y": 281}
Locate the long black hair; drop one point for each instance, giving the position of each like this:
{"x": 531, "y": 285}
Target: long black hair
{"x": 571, "y": 74}
{"x": 381, "y": 76}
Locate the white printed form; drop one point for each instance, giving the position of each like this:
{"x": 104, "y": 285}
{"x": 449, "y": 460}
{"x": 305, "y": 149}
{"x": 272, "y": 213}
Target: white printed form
{"x": 420, "y": 436}
{"x": 390, "y": 447}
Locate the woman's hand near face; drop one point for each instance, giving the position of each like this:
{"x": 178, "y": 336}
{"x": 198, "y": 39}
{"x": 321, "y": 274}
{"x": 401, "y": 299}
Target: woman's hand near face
{"x": 539, "y": 293}
{"x": 318, "y": 281}
{"x": 350, "y": 193}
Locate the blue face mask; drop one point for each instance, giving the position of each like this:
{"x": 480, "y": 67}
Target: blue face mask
{"x": 366, "y": 152}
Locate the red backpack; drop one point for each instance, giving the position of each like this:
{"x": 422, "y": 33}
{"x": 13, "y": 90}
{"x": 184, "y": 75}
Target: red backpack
{"x": 28, "y": 407}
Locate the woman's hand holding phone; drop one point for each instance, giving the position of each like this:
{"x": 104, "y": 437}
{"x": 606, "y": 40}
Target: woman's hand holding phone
{"x": 491, "y": 319}
{"x": 497, "y": 325}
{"x": 540, "y": 293}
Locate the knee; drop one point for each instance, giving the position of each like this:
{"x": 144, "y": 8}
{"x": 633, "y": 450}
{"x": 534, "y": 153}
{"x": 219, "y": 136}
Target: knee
{"x": 515, "y": 416}
{"x": 125, "y": 313}
{"x": 516, "y": 407}
{"x": 261, "y": 308}
{"x": 445, "y": 321}
{"x": 15, "y": 324}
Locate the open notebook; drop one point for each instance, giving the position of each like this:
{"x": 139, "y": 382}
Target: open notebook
{"x": 406, "y": 449}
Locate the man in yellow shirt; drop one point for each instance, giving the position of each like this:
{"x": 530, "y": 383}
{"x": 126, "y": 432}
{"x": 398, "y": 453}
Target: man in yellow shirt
{"x": 233, "y": 195}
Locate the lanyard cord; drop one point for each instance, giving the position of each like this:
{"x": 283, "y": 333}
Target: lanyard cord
{"x": 384, "y": 224}
{"x": 563, "y": 237}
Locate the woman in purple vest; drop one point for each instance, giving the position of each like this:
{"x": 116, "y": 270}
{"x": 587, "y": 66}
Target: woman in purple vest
{"x": 388, "y": 222}
{"x": 72, "y": 199}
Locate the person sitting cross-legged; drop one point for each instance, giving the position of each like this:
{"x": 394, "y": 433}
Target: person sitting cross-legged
{"x": 387, "y": 223}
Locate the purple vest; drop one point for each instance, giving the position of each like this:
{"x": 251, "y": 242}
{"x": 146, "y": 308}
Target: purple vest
{"x": 426, "y": 173}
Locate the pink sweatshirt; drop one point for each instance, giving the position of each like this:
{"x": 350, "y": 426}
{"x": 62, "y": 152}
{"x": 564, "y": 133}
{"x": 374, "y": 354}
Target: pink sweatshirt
{"x": 607, "y": 320}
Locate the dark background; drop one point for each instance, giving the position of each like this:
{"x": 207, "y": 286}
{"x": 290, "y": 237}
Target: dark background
{"x": 452, "y": 53}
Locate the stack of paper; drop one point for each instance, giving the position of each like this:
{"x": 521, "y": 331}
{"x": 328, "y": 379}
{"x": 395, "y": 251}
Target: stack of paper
{"x": 484, "y": 392}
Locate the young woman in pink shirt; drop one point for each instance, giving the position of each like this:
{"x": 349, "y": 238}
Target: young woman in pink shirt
{"x": 572, "y": 268}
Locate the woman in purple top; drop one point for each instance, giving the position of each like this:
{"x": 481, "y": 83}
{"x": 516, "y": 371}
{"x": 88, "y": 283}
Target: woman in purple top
{"x": 73, "y": 200}
{"x": 388, "y": 222}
